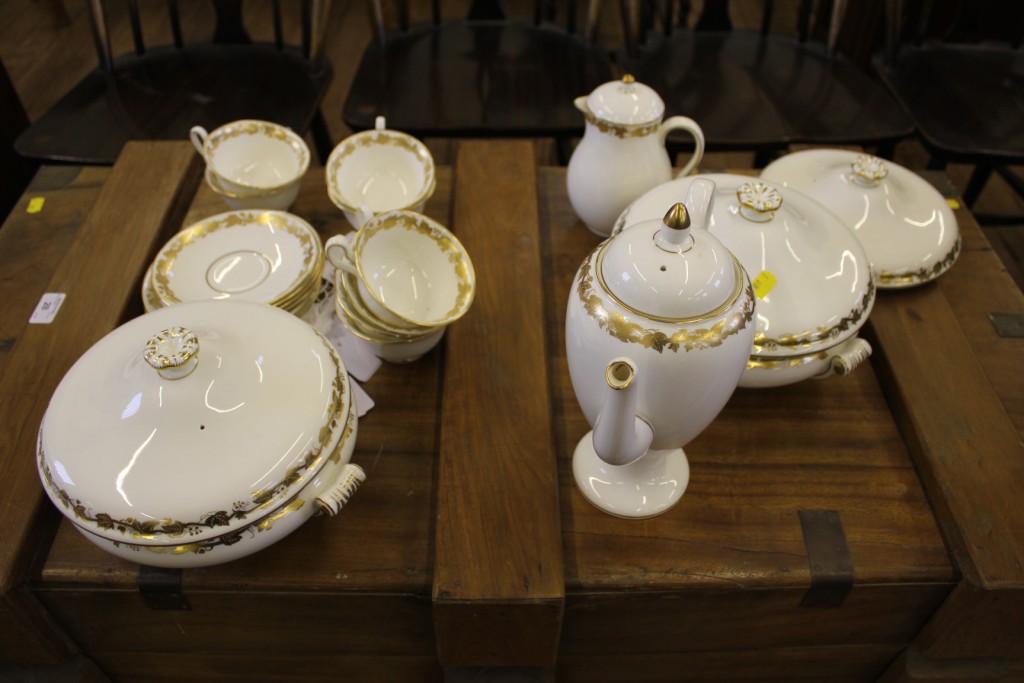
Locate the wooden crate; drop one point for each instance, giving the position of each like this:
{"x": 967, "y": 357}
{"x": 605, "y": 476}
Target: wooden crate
{"x": 469, "y": 550}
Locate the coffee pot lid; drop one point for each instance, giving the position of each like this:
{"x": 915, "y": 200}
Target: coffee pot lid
{"x": 626, "y": 102}
{"x": 670, "y": 270}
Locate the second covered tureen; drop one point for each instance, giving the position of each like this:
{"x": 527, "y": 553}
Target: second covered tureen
{"x": 810, "y": 274}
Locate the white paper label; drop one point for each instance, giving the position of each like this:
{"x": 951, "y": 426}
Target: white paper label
{"x": 46, "y": 309}
{"x": 363, "y": 401}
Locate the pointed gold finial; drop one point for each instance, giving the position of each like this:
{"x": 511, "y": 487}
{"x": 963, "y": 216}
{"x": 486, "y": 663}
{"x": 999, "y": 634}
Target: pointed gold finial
{"x": 677, "y": 218}
{"x": 628, "y": 78}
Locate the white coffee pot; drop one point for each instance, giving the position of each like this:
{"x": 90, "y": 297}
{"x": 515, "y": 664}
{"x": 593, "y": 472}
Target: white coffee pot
{"x": 659, "y": 326}
{"x": 622, "y": 153}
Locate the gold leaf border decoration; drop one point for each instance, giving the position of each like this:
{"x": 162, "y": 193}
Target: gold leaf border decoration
{"x": 686, "y": 338}
{"x": 850, "y": 321}
{"x": 887, "y": 277}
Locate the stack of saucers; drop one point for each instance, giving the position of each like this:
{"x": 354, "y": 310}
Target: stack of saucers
{"x": 272, "y": 257}
{"x": 400, "y": 281}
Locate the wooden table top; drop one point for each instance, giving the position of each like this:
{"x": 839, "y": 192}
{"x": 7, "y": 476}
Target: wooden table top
{"x": 469, "y": 516}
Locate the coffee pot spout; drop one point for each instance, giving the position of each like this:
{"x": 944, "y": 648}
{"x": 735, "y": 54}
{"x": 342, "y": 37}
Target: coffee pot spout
{"x": 620, "y": 435}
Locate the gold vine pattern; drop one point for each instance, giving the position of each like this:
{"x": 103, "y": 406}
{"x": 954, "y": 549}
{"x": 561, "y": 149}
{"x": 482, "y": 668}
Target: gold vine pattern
{"x": 923, "y": 274}
{"x": 419, "y": 224}
{"x": 620, "y": 130}
{"x": 205, "y": 546}
{"x": 271, "y": 131}
{"x": 265, "y": 524}
{"x": 849, "y": 322}
{"x": 621, "y": 328}
{"x": 375, "y": 137}
{"x": 240, "y": 510}
{"x": 772, "y": 363}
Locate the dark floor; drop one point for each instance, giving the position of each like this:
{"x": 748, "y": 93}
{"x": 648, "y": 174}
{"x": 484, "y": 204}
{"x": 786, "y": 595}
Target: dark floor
{"x": 46, "y": 46}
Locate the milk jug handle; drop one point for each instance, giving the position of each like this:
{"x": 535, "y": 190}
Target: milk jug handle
{"x": 690, "y": 126}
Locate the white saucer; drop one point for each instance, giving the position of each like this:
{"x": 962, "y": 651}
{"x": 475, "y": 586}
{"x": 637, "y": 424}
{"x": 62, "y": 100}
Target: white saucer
{"x": 264, "y": 256}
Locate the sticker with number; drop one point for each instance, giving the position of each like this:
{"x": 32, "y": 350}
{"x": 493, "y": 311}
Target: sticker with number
{"x": 763, "y": 284}
{"x": 46, "y": 309}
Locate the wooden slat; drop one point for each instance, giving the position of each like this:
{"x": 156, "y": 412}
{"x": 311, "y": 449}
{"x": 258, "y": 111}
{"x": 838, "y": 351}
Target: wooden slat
{"x": 498, "y": 572}
{"x": 979, "y": 284}
{"x": 969, "y": 453}
{"x": 98, "y": 274}
{"x": 34, "y": 240}
{"x": 835, "y": 664}
{"x": 964, "y": 426}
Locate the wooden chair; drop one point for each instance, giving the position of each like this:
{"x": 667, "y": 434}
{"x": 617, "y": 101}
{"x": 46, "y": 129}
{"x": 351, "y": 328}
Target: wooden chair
{"x": 160, "y": 92}
{"x": 958, "y": 68}
{"x": 765, "y": 89}
{"x": 480, "y": 75}
{"x": 15, "y": 171}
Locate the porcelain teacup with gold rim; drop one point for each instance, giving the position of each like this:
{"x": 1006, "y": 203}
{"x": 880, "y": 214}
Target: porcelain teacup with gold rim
{"x": 252, "y": 160}
{"x": 411, "y": 270}
{"x": 379, "y": 170}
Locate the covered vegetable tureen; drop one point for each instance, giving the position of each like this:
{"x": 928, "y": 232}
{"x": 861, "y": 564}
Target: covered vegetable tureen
{"x": 904, "y": 224}
{"x": 200, "y": 433}
{"x": 810, "y": 275}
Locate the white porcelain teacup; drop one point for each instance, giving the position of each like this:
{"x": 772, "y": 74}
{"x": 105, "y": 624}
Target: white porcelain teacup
{"x": 411, "y": 270}
{"x": 253, "y": 164}
{"x": 379, "y": 170}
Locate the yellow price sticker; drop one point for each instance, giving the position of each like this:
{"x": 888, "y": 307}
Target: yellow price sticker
{"x": 953, "y": 204}
{"x": 35, "y": 205}
{"x": 763, "y": 284}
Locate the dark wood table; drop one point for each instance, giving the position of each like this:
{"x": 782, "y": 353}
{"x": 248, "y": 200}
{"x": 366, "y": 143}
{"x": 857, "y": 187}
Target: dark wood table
{"x": 468, "y": 550}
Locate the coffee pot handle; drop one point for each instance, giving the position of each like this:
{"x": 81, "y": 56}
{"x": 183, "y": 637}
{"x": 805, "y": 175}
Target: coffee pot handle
{"x": 690, "y": 126}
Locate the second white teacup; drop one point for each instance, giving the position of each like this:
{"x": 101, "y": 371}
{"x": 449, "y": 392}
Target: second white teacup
{"x": 259, "y": 161}
{"x": 411, "y": 270}
{"x": 377, "y": 171}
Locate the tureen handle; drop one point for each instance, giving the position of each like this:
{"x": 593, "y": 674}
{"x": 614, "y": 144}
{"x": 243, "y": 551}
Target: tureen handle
{"x": 333, "y": 499}
{"x": 173, "y": 353}
{"x": 845, "y": 357}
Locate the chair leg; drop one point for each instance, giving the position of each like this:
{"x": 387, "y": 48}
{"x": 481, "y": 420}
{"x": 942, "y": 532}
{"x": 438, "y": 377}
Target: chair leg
{"x": 886, "y": 150}
{"x": 321, "y": 136}
{"x": 763, "y": 157}
{"x": 1012, "y": 179}
{"x": 976, "y": 184}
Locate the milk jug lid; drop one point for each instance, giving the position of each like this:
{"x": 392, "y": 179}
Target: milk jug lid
{"x": 626, "y": 102}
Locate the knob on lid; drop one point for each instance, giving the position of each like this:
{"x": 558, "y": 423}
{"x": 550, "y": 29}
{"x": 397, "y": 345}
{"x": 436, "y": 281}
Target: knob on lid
{"x": 626, "y": 102}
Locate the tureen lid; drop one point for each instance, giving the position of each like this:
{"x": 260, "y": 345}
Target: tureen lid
{"x": 625, "y": 102}
{"x": 192, "y": 420}
{"x": 908, "y": 231}
{"x": 810, "y": 274}
{"x": 669, "y": 270}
